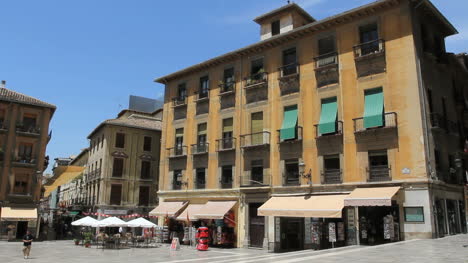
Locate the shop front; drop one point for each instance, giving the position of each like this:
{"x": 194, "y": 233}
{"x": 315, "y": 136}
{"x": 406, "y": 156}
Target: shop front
{"x": 166, "y": 213}
{"x": 15, "y": 221}
{"x": 305, "y": 222}
{"x": 378, "y": 214}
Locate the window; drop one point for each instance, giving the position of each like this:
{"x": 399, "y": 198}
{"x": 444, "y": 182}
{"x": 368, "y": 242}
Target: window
{"x": 200, "y": 178}
{"x": 414, "y": 214}
{"x": 177, "y": 180}
{"x": 257, "y": 67}
{"x": 369, "y": 36}
{"x": 147, "y": 144}
{"x": 429, "y": 100}
{"x": 204, "y": 87}
{"x": 181, "y": 92}
{"x": 25, "y": 151}
{"x": 120, "y": 140}
{"x": 292, "y": 171}
{"x": 332, "y": 169}
{"x": 378, "y": 165}
{"x": 226, "y": 177}
{"x": 29, "y": 121}
{"x": 256, "y": 127}
{"x": 179, "y": 141}
{"x": 201, "y": 138}
{"x": 326, "y": 45}
{"x": 144, "y": 196}
{"x": 102, "y": 141}
{"x": 289, "y": 127}
{"x": 117, "y": 170}
{"x": 374, "y": 108}
{"x": 21, "y": 184}
{"x": 145, "y": 170}
{"x": 256, "y": 171}
{"x": 289, "y": 62}
{"x": 275, "y": 28}
{"x": 438, "y": 161}
{"x": 228, "y": 79}
{"x": 116, "y": 194}
{"x": 227, "y": 133}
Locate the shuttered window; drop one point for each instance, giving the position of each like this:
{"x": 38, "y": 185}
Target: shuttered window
{"x": 288, "y": 129}
{"x": 328, "y": 115}
{"x": 373, "y": 108}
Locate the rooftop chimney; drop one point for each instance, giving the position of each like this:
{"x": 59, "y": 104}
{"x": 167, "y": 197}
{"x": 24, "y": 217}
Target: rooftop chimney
{"x": 3, "y": 84}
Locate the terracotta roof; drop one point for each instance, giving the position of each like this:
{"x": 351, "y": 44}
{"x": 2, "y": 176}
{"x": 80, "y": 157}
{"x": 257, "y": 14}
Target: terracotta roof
{"x": 292, "y": 6}
{"x": 134, "y": 121}
{"x": 326, "y": 23}
{"x": 13, "y": 96}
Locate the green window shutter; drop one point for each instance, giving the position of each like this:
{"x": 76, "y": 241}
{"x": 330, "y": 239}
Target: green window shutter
{"x": 227, "y": 125}
{"x": 327, "y": 123}
{"x": 202, "y": 129}
{"x": 288, "y": 129}
{"x": 373, "y": 108}
{"x": 257, "y": 127}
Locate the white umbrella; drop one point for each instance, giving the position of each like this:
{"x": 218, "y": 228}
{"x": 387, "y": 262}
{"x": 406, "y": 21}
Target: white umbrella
{"x": 110, "y": 222}
{"x": 85, "y": 221}
{"x": 140, "y": 222}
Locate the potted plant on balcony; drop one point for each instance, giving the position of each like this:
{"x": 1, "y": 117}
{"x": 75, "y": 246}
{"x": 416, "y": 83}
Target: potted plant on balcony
{"x": 77, "y": 241}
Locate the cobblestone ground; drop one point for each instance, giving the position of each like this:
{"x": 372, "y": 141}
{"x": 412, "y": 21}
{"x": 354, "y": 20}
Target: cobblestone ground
{"x": 446, "y": 250}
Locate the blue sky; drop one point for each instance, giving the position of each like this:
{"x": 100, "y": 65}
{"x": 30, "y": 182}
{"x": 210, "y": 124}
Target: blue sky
{"x": 88, "y": 56}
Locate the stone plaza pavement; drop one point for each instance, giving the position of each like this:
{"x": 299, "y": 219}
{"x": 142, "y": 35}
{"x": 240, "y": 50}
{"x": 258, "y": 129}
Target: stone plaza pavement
{"x": 447, "y": 250}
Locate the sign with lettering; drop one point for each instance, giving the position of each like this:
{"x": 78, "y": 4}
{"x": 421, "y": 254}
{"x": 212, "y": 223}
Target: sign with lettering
{"x": 115, "y": 212}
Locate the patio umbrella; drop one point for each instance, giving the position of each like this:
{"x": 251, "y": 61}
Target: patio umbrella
{"x": 85, "y": 221}
{"x": 140, "y": 222}
{"x": 110, "y": 222}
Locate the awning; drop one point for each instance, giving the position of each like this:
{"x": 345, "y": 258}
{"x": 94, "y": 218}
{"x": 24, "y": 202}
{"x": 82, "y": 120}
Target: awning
{"x": 190, "y": 212}
{"x": 62, "y": 175}
{"x": 379, "y": 196}
{"x": 288, "y": 129}
{"x": 373, "y": 108}
{"x": 327, "y": 123}
{"x": 325, "y": 206}
{"x": 73, "y": 213}
{"x": 18, "y": 214}
{"x": 168, "y": 209}
{"x": 214, "y": 209}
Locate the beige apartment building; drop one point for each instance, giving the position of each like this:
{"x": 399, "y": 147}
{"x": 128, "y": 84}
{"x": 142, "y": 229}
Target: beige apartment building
{"x": 346, "y": 130}
{"x": 122, "y": 172}
{"x": 24, "y": 135}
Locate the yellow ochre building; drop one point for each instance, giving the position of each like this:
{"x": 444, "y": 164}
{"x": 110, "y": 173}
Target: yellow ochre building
{"x": 346, "y": 130}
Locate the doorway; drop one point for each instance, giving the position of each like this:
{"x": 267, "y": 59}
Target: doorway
{"x": 21, "y": 229}
{"x": 292, "y": 234}
{"x": 256, "y": 226}
{"x": 379, "y": 224}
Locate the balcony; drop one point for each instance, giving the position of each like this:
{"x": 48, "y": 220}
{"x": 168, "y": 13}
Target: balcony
{"x": 179, "y": 102}
{"x": 176, "y": 185}
{"x": 326, "y": 69}
{"x": 202, "y": 96}
{"x": 389, "y": 122}
{"x": 226, "y": 88}
{"x": 226, "y": 184}
{"x": 257, "y": 139}
{"x": 199, "y": 148}
{"x": 226, "y": 144}
{"x": 256, "y": 80}
{"x": 289, "y": 79}
{"x": 370, "y": 58}
{"x": 331, "y": 176}
{"x": 338, "y": 131}
{"x": 258, "y": 180}
{"x": 24, "y": 161}
{"x": 200, "y": 185}
{"x": 28, "y": 130}
{"x": 178, "y": 151}
{"x": 291, "y": 179}
{"x": 378, "y": 173}
{"x": 297, "y": 137}
{"x": 326, "y": 61}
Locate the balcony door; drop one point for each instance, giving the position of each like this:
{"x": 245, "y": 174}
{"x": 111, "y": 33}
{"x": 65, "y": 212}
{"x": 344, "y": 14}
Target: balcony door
{"x": 257, "y": 128}
{"x": 179, "y": 141}
{"x": 227, "y": 133}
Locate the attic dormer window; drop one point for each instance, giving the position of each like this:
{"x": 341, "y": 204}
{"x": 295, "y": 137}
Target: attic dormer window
{"x": 275, "y": 27}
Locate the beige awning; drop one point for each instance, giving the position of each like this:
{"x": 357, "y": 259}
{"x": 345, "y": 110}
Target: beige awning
{"x": 18, "y": 214}
{"x": 378, "y": 196}
{"x": 325, "y": 206}
{"x": 62, "y": 175}
{"x": 190, "y": 212}
{"x": 214, "y": 209}
{"x": 168, "y": 209}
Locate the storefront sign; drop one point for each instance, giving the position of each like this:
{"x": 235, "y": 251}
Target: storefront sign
{"x": 341, "y": 232}
{"x": 414, "y": 214}
{"x": 115, "y": 212}
{"x": 331, "y": 232}
{"x": 32, "y": 224}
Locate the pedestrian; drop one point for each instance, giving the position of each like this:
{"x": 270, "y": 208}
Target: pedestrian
{"x": 27, "y": 240}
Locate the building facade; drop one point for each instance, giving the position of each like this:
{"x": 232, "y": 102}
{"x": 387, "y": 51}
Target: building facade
{"x": 24, "y": 135}
{"x": 122, "y": 171}
{"x": 362, "y": 114}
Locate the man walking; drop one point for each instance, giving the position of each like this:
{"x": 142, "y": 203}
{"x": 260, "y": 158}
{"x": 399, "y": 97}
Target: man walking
{"x": 27, "y": 240}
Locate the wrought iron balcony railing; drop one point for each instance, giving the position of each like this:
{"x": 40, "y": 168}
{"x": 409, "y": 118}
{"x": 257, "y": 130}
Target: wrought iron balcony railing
{"x": 256, "y": 80}
{"x": 201, "y": 96}
{"x": 226, "y": 144}
{"x": 226, "y": 88}
{"x": 177, "y": 151}
{"x": 389, "y": 121}
{"x": 325, "y": 60}
{"x": 255, "y": 139}
{"x": 338, "y": 130}
{"x": 179, "y": 101}
{"x": 297, "y": 137}
{"x": 200, "y": 148}
{"x": 379, "y": 173}
{"x": 32, "y": 129}
{"x": 289, "y": 70}
{"x": 368, "y": 49}
{"x": 331, "y": 176}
